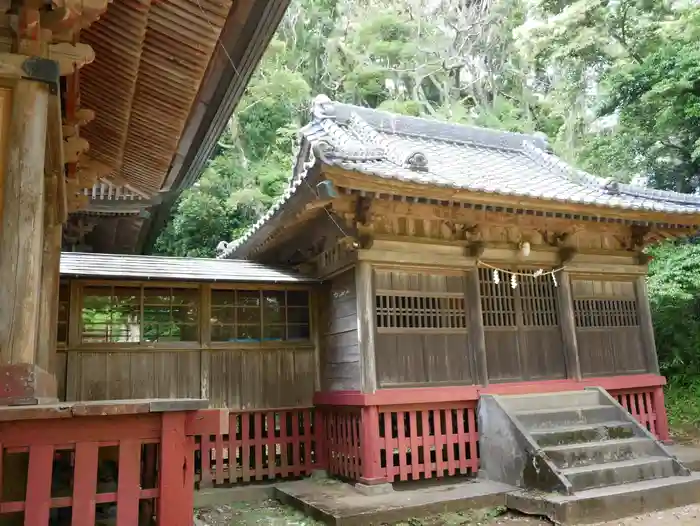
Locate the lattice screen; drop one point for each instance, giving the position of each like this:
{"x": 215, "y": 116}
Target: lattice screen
{"x": 534, "y": 300}
{"x": 419, "y": 302}
{"x": 497, "y": 301}
{"x": 604, "y": 304}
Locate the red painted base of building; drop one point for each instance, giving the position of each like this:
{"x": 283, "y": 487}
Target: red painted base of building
{"x": 407, "y": 434}
{"x": 164, "y": 449}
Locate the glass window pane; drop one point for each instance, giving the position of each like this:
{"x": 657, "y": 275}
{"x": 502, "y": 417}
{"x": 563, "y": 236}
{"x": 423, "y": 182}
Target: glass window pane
{"x": 223, "y": 315}
{"x": 274, "y": 333}
{"x": 248, "y": 298}
{"x": 223, "y": 297}
{"x": 274, "y": 305}
{"x": 223, "y": 333}
{"x": 248, "y": 315}
{"x": 298, "y": 332}
{"x": 298, "y": 314}
{"x": 248, "y": 333}
{"x": 156, "y": 296}
{"x": 297, "y": 298}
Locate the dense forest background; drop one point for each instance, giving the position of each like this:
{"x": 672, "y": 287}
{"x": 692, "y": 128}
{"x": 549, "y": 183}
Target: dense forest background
{"x": 615, "y": 85}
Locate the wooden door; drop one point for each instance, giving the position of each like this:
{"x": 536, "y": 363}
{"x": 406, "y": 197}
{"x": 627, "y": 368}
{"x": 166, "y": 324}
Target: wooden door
{"x": 521, "y": 327}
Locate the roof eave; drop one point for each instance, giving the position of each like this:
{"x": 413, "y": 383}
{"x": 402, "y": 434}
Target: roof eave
{"x": 237, "y": 54}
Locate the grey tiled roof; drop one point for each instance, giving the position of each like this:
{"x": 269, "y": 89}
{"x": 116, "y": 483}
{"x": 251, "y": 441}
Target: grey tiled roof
{"x": 434, "y": 153}
{"x": 104, "y": 266}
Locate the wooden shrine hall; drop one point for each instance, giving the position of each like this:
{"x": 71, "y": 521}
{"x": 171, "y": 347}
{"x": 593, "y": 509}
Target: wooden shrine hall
{"x": 459, "y": 265}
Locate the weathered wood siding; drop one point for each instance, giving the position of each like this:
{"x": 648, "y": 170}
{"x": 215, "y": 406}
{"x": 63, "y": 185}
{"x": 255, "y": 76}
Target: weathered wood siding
{"x": 341, "y": 364}
{"x": 521, "y": 328}
{"x": 253, "y": 379}
{"x": 421, "y": 329}
{"x": 607, "y": 327}
{"x": 230, "y": 373}
{"x": 102, "y": 375}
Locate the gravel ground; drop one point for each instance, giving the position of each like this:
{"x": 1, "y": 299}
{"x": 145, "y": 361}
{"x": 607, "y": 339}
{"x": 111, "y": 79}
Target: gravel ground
{"x": 271, "y": 513}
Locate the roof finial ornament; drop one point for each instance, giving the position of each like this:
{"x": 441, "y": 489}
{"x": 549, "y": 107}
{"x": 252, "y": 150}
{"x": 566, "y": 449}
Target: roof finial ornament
{"x": 611, "y": 186}
{"x": 322, "y": 108}
{"x": 417, "y": 161}
{"x": 544, "y": 140}
{"x": 222, "y": 247}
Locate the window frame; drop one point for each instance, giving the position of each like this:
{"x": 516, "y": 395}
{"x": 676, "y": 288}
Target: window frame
{"x": 261, "y": 288}
{"x": 76, "y": 337}
{"x": 75, "y": 323}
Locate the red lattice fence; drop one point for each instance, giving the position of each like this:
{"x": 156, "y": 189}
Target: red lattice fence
{"x": 261, "y": 445}
{"x": 130, "y": 468}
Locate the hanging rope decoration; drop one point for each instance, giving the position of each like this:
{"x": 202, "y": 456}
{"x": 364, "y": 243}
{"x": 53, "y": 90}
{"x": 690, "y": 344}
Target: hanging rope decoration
{"x": 514, "y": 275}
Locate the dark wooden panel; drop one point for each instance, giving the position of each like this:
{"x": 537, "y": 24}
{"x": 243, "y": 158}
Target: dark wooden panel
{"x": 522, "y": 327}
{"x": 340, "y": 358}
{"x": 421, "y": 335}
{"x": 502, "y": 355}
{"x": 608, "y": 332}
{"x": 134, "y": 374}
{"x": 542, "y": 352}
{"x": 262, "y": 378}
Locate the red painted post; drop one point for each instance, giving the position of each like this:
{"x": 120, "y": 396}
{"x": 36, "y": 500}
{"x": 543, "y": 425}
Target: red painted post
{"x": 85, "y": 483}
{"x": 38, "y": 500}
{"x": 661, "y": 416}
{"x": 176, "y": 494}
{"x": 372, "y": 472}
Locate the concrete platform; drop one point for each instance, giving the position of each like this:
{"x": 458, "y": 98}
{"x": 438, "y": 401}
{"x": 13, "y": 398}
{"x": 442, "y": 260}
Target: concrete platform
{"x": 688, "y": 455}
{"x": 340, "y": 504}
{"x": 608, "y": 503}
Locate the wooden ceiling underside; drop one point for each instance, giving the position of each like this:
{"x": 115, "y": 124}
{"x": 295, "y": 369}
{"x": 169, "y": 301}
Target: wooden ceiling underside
{"x": 150, "y": 59}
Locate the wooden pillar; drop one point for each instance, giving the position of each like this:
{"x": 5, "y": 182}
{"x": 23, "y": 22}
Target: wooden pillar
{"x": 22, "y": 246}
{"x": 365, "y": 325}
{"x": 50, "y": 282}
{"x": 21, "y": 240}
{"x": 567, "y": 321}
{"x": 646, "y": 325}
{"x": 475, "y": 320}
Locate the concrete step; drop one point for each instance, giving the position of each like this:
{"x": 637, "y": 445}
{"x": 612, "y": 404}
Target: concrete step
{"x": 567, "y": 416}
{"x": 517, "y": 403}
{"x": 621, "y": 472}
{"x": 582, "y": 433}
{"x": 600, "y": 452}
{"x": 609, "y": 504}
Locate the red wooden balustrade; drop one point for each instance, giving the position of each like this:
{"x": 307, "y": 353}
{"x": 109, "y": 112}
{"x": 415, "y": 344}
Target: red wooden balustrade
{"x": 262, "y": 445}
{"x": 409, "y": 434}
{"x": 648, "y": 407}
{"x": 131, "y": 462}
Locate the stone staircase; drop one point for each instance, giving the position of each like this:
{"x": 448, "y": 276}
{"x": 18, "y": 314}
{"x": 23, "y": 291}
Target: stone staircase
{"x": 578, "y": 457}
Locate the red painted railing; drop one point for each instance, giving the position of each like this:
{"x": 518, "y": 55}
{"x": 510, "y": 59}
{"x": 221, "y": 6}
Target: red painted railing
{"x": 428, "y": 441}
{"x": 261, "y": 445}
{"x": 343, "y": 426}
{"x": 409, "y": 434}
{"x": 647, "y": 406}
{"x": 130, "y": 468}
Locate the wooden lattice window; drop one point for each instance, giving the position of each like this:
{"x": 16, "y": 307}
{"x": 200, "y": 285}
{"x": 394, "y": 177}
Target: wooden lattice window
{"x": 139, "y": 314}
{"x": 532, "y": 303}
{"x": 497, "y": 300}
{"x": 437, "y": 305}
{"x": 246, "y": 316}
{"x": 63, "y": 313}
{"x": 604, "y": 304}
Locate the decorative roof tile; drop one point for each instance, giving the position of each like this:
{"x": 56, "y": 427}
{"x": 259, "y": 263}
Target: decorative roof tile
{"x": 435, "y": 153}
